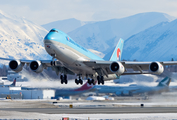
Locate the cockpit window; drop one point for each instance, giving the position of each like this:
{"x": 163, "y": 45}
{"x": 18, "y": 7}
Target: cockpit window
{"x": 54, "y": 31}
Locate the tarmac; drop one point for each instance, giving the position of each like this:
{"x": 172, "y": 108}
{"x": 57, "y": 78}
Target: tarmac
{"x": 123, "y": 110}
{"x": 53, "y": 109}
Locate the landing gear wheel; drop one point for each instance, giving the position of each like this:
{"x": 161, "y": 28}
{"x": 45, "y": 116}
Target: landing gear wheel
{"x": 102, "y": 80}
{"x": 65, "y": 79}
{"x": 62, "y": 79}
{"x": 89, "y": 82}
{"x": 93, "y": 82}
{"x": 76, "y": 81}
{"x": 98, "y": 78}
{"x": 80, "y": 81}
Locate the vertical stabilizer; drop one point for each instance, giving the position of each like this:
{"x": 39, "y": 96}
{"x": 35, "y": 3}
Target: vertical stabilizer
{"x": 14, "y": 82}
{"x": 165, "y": 82}
{"x": 86, "y": 86}
{"x": 116, "y": 55}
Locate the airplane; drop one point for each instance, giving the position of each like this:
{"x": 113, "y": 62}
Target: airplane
{"x": 65, "y": 93}
{"x": 11, "y": 85}
{"x": 133, "y": 89}
{"x": 68, "y": 57}
{"x": 71, "y": 92}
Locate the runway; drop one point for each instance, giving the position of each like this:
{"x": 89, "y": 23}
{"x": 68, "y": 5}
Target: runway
{"x": 119, "y": 110}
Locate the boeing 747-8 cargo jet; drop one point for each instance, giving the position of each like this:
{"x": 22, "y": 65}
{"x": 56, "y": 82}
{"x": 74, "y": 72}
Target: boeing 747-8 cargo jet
{"x": 71, "y": 58}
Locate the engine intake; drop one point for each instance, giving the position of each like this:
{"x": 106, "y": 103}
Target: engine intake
{"x": 36, "y": 66}
{"x": 117, "y": 68}
{"x": 156, "y": 67}
{"x": 16, "y": 65}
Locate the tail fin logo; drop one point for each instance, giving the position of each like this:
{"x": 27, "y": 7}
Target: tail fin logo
{"x": 14, "y": 82}
{"x": 86, "y": 86}
{"x": 118, "y": 54}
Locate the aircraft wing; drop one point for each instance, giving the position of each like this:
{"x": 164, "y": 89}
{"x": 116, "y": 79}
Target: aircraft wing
{"x": 56, "y": 66}
{"x": 131, "y": 67}
{"x": 47, "y": 62}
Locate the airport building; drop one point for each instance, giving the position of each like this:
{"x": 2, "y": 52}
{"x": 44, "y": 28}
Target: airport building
{"x": 18, "y": 93}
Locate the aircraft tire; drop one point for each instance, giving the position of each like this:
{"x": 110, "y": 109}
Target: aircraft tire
{"x": 98, "y": 82}
{"x": 102, "y": 82}
{"x": 61, "y": 77}
{"x": 61, "y": 81}
{"x": 80, "y": 81}
{"x": 92, "y": 81}
{"x": 76, "y": 81}
{"x": 89, "y": 82}
{"x": 66, "y": 81}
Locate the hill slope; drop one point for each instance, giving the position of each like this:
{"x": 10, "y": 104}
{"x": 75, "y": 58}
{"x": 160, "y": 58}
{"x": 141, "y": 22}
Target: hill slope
{"x": 156, "y": 43}
{"x": 20, "y": 38}
{"x": 103, "y": 36}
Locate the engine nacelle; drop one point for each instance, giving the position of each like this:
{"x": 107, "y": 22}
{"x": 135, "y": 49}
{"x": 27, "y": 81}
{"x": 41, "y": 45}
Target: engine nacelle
{"x": 117, "y": 68}
{"x": 156, "y": 68}
{"x": 16, "y": 65}
{"x": 36, "y": 66}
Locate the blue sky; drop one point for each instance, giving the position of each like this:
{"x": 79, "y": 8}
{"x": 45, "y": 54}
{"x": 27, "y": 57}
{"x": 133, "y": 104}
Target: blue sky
{"x": 45, "y": 11}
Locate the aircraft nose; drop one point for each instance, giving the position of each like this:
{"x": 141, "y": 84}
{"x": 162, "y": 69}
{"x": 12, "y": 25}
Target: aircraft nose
{"x": 51, "y": 36}
{"x": 55, "y": 35}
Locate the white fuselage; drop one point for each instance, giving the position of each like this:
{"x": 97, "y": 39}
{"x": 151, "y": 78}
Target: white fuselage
{"x": 71, "y": 54}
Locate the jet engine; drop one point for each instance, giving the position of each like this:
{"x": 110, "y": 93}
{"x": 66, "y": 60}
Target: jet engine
{"x": 36, "y": 66}
{"x": 117, "y": 68}
{"x": 16, "y": 65}
{"x": 156, "y": 68}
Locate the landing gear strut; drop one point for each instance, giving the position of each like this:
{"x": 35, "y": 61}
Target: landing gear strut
{"x": 64, "y": 79}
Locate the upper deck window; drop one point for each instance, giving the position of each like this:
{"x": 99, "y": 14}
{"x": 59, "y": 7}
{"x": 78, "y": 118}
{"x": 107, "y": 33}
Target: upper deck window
{"x": 53, "y": 31}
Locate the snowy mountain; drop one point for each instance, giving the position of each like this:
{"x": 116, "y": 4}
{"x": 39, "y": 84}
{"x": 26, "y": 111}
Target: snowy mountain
{"x": 66, "y": 26}
{"x": 103, "y": 36}
{"x": 20, "y": 38}
{"x": 156, "y": 43}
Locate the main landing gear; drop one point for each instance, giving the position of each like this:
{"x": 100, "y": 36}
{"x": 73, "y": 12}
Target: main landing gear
{"x": 63, "y": 79}
{"x": 91, "y": 81}
{"x": 77, "y": 81}
{"x": 100, "y": 80}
